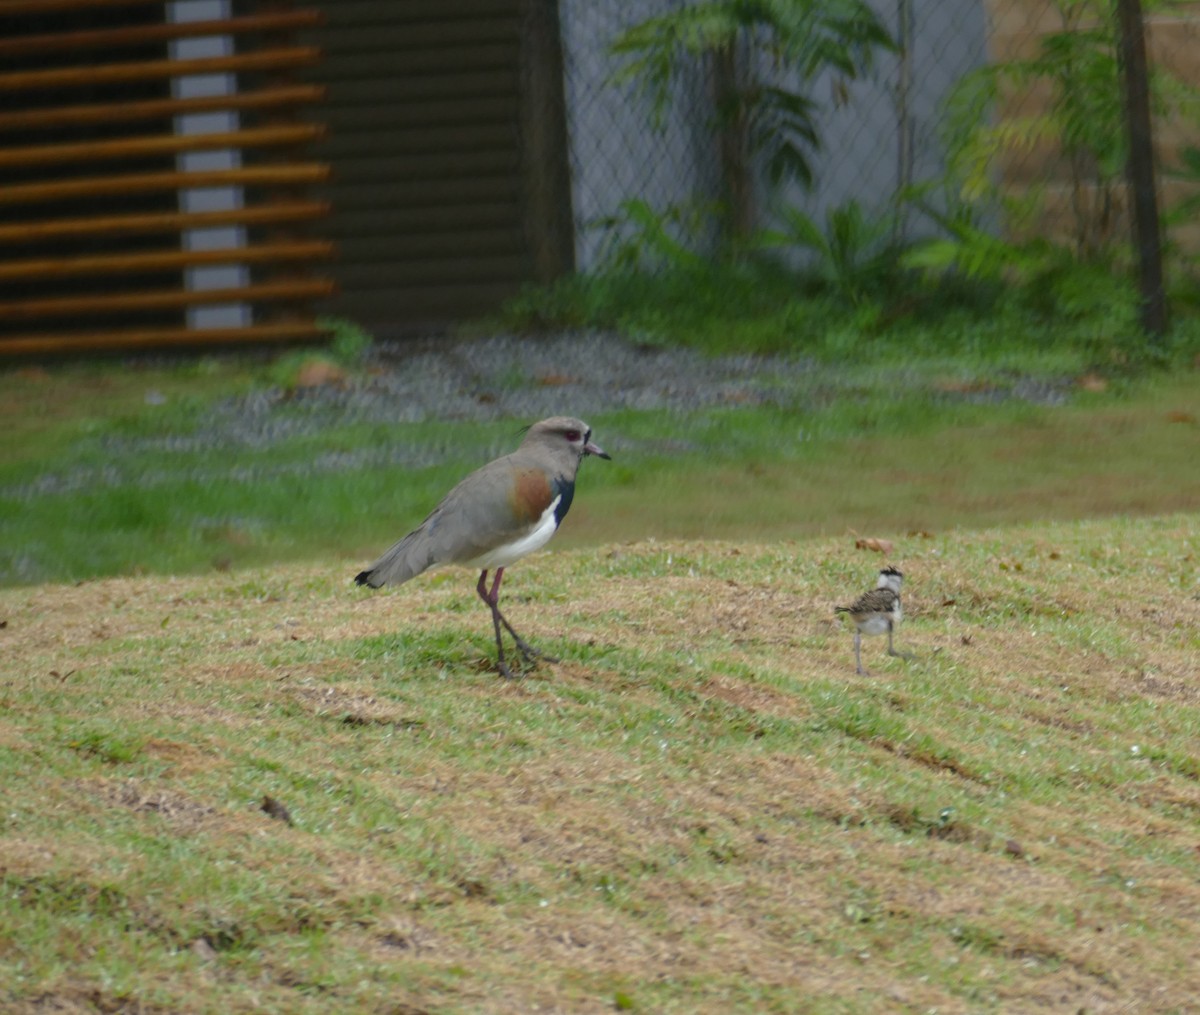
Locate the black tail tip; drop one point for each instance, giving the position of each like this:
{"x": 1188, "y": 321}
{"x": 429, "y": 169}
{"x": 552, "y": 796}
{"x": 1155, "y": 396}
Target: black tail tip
{"x": 362, "y": 578}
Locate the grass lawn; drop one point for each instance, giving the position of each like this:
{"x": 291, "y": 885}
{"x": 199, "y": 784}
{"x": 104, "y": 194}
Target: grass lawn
{"x": 701, "y": 808}
{"x": 233, "y": 782}
{"x": 125, "y": 471}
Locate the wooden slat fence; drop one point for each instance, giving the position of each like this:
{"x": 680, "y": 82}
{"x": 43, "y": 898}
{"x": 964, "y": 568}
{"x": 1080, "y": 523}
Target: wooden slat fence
{"x": 448, "y": 133}
{"x": 101, "y": 244}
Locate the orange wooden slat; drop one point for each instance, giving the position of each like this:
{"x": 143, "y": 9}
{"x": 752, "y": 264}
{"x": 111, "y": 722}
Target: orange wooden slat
{"x": 163, "y": 222}
{"x": 148, "y": 338}
{"x": 148, "y": 70}
{"x": 132, "y": 35}
{"x": 165, "y": 144}
{"x": 287, "y": 175}
{"x": 171, "y": 299}
{"x": 161, "y": 260}
{"x": 155, "y": 109}
{"x": 15, "y": 8}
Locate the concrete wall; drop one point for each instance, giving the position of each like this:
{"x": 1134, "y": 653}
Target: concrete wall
{"x": 878, "y": 132}
{"x": 615, "y": 154}
{"x": 881, "y": 132}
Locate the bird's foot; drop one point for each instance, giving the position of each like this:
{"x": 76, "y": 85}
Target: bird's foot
{"x": 907, "y": 656}
{"x": 503, "y": 669}
{"x": 515, "y": 669}
{"x": 532, "y": 654}
{"x": 529, "y": 653}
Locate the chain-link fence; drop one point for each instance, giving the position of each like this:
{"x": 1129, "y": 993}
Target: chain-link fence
{"x": 1007, "y": 115}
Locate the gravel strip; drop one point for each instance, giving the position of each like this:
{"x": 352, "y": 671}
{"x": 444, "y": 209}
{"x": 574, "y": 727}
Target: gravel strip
{"x": 525, "y": 379}
{"x": 500, "y": 378}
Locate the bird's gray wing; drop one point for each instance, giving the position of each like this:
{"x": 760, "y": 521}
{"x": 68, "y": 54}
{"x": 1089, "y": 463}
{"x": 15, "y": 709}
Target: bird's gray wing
{"x": 494, "y": 505}
{"x": 874, "y": 601}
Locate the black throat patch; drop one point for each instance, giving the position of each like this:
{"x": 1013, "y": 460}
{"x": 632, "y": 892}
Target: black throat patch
{"x": 565, "y": 490}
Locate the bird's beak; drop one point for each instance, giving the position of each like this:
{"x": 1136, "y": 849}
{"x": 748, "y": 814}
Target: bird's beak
{"x": 591, "y": 449}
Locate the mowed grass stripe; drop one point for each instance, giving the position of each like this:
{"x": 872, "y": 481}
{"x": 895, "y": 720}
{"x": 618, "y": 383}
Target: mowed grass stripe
{"x": 701, "y": 809}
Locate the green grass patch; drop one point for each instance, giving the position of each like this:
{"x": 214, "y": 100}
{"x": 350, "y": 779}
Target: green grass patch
{"x": 752, "y": 306}
{"x": 109, "y": 483}
{"x": 702, "y": 807}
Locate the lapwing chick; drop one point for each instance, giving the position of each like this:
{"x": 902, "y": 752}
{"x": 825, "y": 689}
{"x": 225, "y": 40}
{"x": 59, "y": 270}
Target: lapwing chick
{"x": 877, "y": 612}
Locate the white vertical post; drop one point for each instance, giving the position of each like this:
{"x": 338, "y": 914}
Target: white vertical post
{"x": 196, "y": 199}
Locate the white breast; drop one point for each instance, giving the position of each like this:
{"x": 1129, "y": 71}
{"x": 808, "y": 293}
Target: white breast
{"x": 534, "y": 539}
{"x": 877, "y": 623}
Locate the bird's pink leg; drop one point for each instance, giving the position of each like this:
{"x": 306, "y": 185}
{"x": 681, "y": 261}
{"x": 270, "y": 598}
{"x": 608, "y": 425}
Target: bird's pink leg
{"x": 481, "y": 588}
{"x": 493, "y": 601}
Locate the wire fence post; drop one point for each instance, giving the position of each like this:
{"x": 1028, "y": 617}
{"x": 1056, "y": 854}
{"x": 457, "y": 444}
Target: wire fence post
{"x": 1140, "y": 169}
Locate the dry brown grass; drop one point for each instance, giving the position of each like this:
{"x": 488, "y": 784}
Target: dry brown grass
{"x": 701, "y": 809}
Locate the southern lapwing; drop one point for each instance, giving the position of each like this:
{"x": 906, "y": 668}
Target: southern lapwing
{"x": 497, "y": 515}
{"x": 876, "y": 612}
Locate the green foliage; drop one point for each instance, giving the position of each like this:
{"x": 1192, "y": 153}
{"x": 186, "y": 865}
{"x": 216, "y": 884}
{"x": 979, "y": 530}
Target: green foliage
{"x": 347, "y": 348}
{"x": 717, "y": 307}
{"x": 997, "y": 236}
{"x": 966, "y": 243}
{"x": 637, "y": 237}
{"x": 1084, "y": 117}
{"x": 991, "y": 249}
{"x": 1031, "y": 275}
{"x": 1068, "y": 289}
{"x": 853, "y": 256}
{"x": 803, "y": 37}
{"x": 1078, "y": 69}
{"x": 969, "y": 294}
{"x": 349, "y": 342}
{"x": 974, "y": 253}
{"x": 1185, "y": 212}
{"x": 1189, "y": 171}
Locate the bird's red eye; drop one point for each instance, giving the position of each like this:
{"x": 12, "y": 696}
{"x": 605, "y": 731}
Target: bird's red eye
{"x": 571, "y": 435}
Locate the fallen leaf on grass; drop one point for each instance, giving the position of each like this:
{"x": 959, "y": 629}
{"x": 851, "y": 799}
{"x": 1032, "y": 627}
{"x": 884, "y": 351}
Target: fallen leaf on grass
{"x": 883, "y": 546}
{"x": 1092, "y": 382}
{"x": 473, "y": 888}
{"x": 317, "y": 372}
{"x": 1179, "y": 416}
{"x": 276, "y": 810}
{"x": 738, "y": 397}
